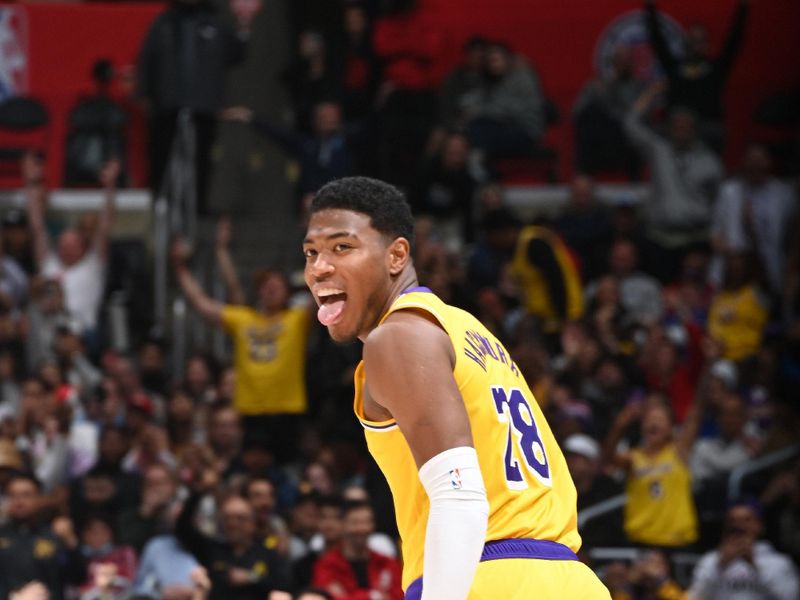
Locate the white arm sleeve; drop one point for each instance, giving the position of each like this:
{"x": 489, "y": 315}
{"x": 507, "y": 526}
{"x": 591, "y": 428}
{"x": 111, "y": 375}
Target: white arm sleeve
{"x": 457, "y": 523}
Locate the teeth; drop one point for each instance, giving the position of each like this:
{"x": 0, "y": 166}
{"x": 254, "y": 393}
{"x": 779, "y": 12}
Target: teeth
{"x": 328, "y": 292}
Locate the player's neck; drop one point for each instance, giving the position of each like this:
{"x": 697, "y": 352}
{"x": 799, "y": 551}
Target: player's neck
{"x": 404, "y": 281}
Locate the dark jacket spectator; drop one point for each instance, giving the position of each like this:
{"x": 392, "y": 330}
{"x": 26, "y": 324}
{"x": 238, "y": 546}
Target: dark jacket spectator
{"x": 325, "y": 155}
{"x": 506, "y": 114}
{"x": 31, "y": 551}
{"x": 241, "y": 567}
{"x": 697, "y": 81}
{"x": 444, "y": 187}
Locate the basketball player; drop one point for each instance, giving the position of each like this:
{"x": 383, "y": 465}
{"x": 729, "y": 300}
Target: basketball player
{"x": 477, "y": 477}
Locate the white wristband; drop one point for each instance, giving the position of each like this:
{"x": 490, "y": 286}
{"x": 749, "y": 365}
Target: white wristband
{"x": 457, "y": 523}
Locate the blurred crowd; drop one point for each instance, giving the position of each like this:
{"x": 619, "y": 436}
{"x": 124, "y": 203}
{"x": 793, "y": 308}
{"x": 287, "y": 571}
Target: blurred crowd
{"x": 662, "y": 339}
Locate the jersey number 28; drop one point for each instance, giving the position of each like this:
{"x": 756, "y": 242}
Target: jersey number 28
{"x": 523, "y": 440}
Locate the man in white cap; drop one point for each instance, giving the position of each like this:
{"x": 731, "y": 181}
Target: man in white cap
{"x": 583, "y": 459}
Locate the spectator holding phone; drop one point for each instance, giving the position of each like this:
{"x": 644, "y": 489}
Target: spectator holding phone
{"x": 743, "y": 567}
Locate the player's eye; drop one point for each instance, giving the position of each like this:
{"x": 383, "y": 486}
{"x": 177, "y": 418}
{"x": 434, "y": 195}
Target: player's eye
{"x": 309, "y": 253}
{"x": 341, "y": 247}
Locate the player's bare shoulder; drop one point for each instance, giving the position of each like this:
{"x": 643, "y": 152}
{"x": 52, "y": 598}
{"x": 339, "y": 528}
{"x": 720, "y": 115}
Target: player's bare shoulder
{"x": 406, "y": 335}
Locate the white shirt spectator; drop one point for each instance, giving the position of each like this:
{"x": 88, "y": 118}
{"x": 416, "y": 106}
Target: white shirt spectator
{"x": 772, "y": 206}
{"x": 715, "y": 457}
{"x": 83, "y": 285}
{"x": 771, "y": 575}
{"x": 684, "y": 184}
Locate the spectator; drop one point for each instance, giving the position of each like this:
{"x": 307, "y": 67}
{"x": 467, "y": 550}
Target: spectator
{"x": 598, "y": 113}
{"x": 742, "y": 567}
{"x": 155, "y": 511}
{"x": 13, "y": 282}
{"x": 111, "y": 567}
{"x": 32, "y": 550}
{"x": 43, "y": 433}
{"x": 70, "y": 353}
{"x": 647, "y": 578}
{"x": 199, "y": 376}
{"x": 152, "y": 367}
{"x": 548, "y": 276}
{"x": 672, "y": 362}
{"x": 325, "y": 154}
{"x": 167, "y": 570}
{"x": 361, "y": 73}
{"x": 585, "y": 227}
{"x": 16, "y": 239}
{"x": 659, "y": 510}
{"x": 685, "y": 175}
{"x": 697, "y": 81}
{"x": 500, "y": 230}
{"x": 225, "y": 438}
{"x": 260, "y": 493}
{"x": 46, "y": 311}
{"x": 505, "y": 116}
{"x": 351, "y": 570}
{"x": 183, "y": 421}
{"x": 330, "y": 525}
{"x": 378, "y": 542}
{"x": 713, "y": 458}
{"x": 241, "y": 567}
{"x": 688, "y": 298}
{"x": 182, "y": 66}
{"x": 464, "y": 79}
{"x": 583, "y": 459}
{"x": 80, "y": 267}
{"x": 781, "y": 500}
{"x": 269, "y": 350}
{"x": 639, "y": 293}
{"x": 304, "y": 524}
{"x": 310, "y": 78}
{"x": 738, "y": 311}
{"x": 444, "y": 189}
{"x": 755, "y": 212}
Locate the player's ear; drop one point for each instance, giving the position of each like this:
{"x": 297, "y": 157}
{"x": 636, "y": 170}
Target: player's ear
{"x": 399, "y": 255}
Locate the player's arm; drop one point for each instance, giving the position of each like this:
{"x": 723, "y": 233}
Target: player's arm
{"x": 202, "y": 302}
{"x": 424, "y": 400}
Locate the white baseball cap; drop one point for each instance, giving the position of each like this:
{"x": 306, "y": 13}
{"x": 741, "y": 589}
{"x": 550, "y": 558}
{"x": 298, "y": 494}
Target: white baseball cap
{"x": 583, "y": 445}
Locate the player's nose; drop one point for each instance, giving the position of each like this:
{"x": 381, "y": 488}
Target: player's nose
{"x": 320, "y": 268}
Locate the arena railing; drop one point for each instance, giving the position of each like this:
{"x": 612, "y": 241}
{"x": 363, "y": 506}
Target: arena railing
{"x": 737, "y": 476}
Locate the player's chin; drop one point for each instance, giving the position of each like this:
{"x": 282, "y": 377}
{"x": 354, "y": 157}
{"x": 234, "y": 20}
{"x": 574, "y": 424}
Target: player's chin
{"x": 341, "y": 334}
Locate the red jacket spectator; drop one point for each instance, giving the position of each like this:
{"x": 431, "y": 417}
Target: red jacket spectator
{"x": 338, "y": 576}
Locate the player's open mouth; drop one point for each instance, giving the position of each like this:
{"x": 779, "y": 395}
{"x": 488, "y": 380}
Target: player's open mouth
{"x": 331, "y": 305}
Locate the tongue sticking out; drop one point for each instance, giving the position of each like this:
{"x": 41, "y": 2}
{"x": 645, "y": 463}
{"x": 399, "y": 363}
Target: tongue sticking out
{"x": 330, "y": 311}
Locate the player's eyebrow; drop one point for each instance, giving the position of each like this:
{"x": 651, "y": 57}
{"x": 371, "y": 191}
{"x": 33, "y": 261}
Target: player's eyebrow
{"x": 333, "y": 236}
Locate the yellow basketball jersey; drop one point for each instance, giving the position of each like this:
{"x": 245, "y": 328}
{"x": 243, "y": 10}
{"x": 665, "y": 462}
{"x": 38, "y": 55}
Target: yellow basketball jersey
{"x": 660, "y": 509}
{"x": 269, "y": 356}
{"x": 530, "y": 491}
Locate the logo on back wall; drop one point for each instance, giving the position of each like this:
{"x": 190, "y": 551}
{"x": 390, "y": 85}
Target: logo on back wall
{"x": 13, "y": 52}
{"x": 629, "y": 31}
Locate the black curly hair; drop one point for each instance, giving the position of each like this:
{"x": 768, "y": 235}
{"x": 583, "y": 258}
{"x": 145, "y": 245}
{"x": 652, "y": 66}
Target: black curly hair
{"x": 384, "y": 204}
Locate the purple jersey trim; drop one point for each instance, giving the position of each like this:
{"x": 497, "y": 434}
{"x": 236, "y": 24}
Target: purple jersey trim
{"x": 516, "y": 548}
{"x": 419, "y": 288}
